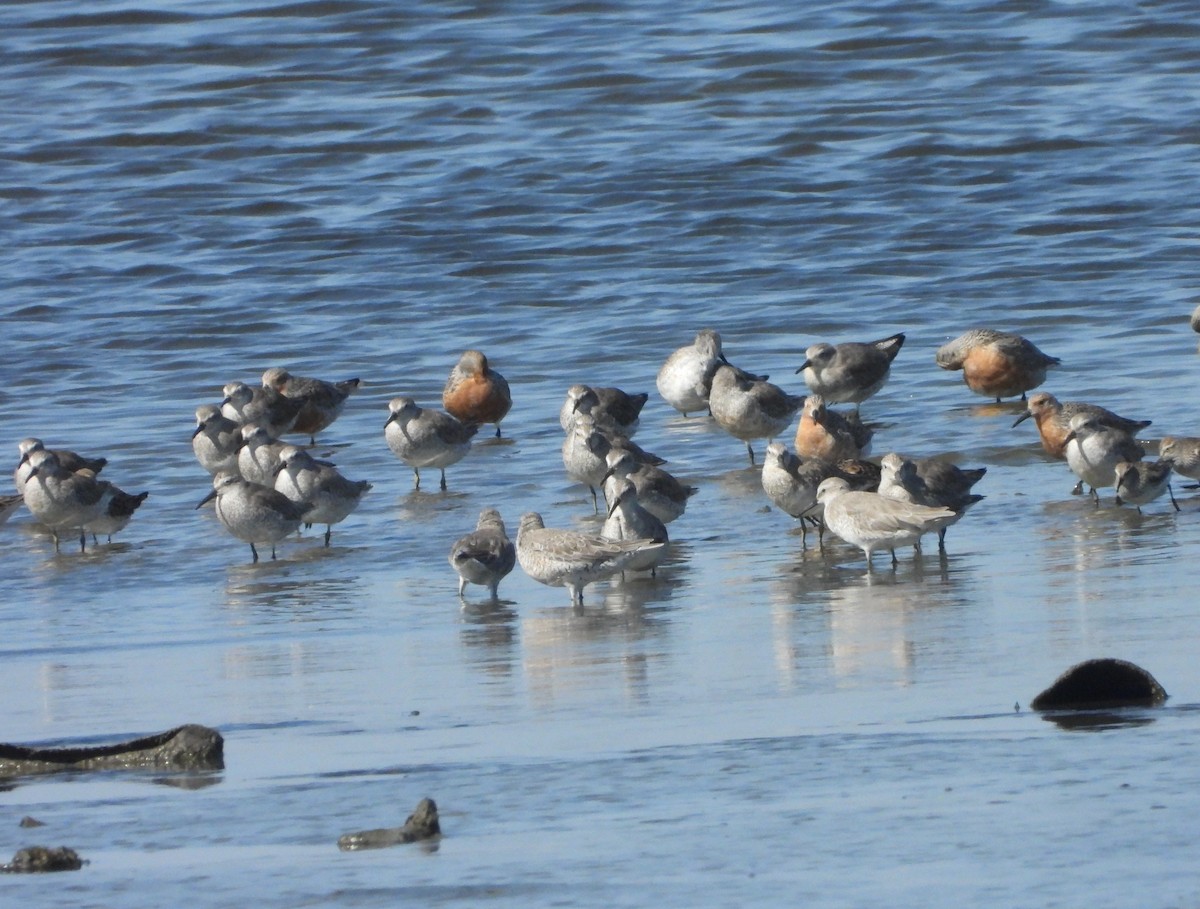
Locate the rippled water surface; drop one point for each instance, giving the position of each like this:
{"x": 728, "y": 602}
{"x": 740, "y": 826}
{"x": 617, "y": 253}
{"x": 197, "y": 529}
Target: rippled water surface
{"x": 194, "y": 192}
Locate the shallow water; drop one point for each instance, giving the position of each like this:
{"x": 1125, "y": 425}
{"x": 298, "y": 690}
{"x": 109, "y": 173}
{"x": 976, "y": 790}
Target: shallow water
{"x": 363, "y": 188}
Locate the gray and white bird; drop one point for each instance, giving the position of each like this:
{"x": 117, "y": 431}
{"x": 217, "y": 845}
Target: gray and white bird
{"x": 873, "y": 522}
{"x": 849, "y": 373}
{"x": 302, "y": 478}
{"x": 628, "y": 520}
{"x": 568, "y": 558}
{"x": 658, "y": 491}
{"x": 749, "y": 408}
{"x": 60, "y": 499}
{"x": 258, "y": 458}
{"x": 1094, "y": 450}
{"x": 791, "y": 484}
{"x": 612, "y": 409}
{"x": 262, "y": 406}
{"x": 216, "y": 440}
{"x": 425, "y": 437}
{"x": 683, "y": 379}
{"x": 1141, "y": 482}
{"x": 254, "y": 513}
{"x": 485, "y": 556}
{"x": 117, "y": 511}
{"x": 933, "y": 482}
{"x": 68, "y": 460}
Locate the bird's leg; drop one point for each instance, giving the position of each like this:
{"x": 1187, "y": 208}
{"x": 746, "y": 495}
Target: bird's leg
{"x": 497, "y": 430}
{"x": 1171, "y": 493}
{"x": 1078, "y": 490}
{"x": 443, "y": 479}
{"x": 750, "y": 449}
{"x": 595, "y": 504}
{"x": 328, "y": 534}
{"x": 1095, "y": 495}
{"x": 82, "y": 540}
{"x": 417, "y": 480}
{"x": 895, "y": 561}
{"x": 272, "y": 552}
{"x": 253, "y": 553}
{"x": 942, "y": 540}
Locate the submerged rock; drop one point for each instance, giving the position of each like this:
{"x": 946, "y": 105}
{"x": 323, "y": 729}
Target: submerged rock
{"x": 422, "y": 824}
{"x": 41, "y": 859}
{"x": 1101, "y": 683}
{"x": 190, "y": 747}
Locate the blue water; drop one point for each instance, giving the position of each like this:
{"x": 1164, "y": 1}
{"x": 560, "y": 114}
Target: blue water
{"x": 192, "y": 193}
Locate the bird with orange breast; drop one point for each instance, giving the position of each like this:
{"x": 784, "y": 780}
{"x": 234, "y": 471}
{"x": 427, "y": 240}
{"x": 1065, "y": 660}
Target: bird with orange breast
{"x": 1053, "y": 418}
{"x": 996, "y": 364}
{"x": 476, "y": 393}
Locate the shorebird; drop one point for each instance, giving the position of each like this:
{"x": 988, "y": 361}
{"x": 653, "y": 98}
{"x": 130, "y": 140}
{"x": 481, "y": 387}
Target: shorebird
{"x": 9, "y": 506}
{"x": 996, "y": 364}
{"x": 476, "y": 393}
{"x": 254, "y": 513}
{"x": 321, "y": 402}
{"x": 613, "y": 410}
{"x": 849, "y": 373}
{"x": 684, "y": 377}
{"x": 829, "y": 436}
{"x": 628, "y": 520}
{"x": 262, "y": 406}
{"x": 933, "y": 482}
{"x": 658, "y": 492}
{"x": 1094, "y": 450}
{"x": 258, "y": 458}
{"x": 60, "y": 499}
{"x": 1183, "y": 453}
{"x": 791, "y": 485}
{"x": 216, "y": 440}
{"x": 1141, "y": 482}
{"x": 117, "y": 508}
{"x": 1053, "y": 420}
{"x": 749, "y": 408}
{"x": 68, "y": 460}
{"x": 426, "y": 438}
{"x": 872, "y": 522}
{"x": 585, "y": 451}
{"x": 485, "y": 556}
{"x": 567, "y": 558}
{"x": 302, "y": 478}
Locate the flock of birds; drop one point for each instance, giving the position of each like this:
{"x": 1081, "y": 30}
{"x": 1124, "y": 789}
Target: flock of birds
{"x": 265, "y": 488}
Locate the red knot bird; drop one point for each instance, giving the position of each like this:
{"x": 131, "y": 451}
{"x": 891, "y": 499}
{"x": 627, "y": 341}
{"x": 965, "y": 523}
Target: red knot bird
{"x": 613, "y": 410}
{"x": 996, "y": 364}
{"x": 476, "y": 393}
{"x": 333, "y": 497}
{"x": 684, "y": 377}
{"x": 1141, "y": 482}
{"x": 63, "y": 500}
{"x": 851, "y": 372}
{"x": 253, "y": 513}
{"x": 216, "y": 440}
{"x": 750, "y": 408}
{"x": 658, "y": 491}
{"x": 585, "y": 450}
{"x": 933, "y": 482}
{"x": 568, "y": 558}
{"x": 258, "y": 458}
{"x": 68, "y": 460}
{"x": 485, "y": 556}
{"x": 1053, "y": 419}
{"x": 323, "y": 401}
{"x": 628, "y": 520}
{"x": 1183, "y": 452}
{"x": 261, "y": 406}
{"x": 872, "y": 522}
{"x": 827, "y": 435}
{"x": 1094, "y": 450}
{"x": 426, "y": 438}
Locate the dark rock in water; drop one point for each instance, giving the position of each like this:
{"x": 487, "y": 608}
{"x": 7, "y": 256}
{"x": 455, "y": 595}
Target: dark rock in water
{"x": 1101, "y": 683}
{"x": 40, "y": 859}
{"x": 28, "y": 821}
{"x": 188, "y": 747}
{"x": 422, "y": 824}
